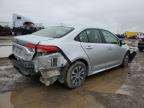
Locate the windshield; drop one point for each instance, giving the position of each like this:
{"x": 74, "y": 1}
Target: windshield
{"x": 54, "y": 32}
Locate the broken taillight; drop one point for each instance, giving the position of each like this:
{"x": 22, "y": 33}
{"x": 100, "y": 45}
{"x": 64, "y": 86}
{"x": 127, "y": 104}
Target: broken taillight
{"x": 43, "y": 48}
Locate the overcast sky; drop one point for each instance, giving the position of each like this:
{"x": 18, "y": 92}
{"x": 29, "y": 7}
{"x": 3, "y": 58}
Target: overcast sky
{"x": 115, "y": 15}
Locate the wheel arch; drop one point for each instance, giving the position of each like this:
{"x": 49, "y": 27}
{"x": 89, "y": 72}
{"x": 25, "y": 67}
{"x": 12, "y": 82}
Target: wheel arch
{"x": 83, "y": 61}
{"x": 128, "y": 51}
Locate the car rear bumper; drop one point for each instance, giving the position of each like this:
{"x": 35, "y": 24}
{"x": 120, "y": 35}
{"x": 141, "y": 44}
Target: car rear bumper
{"x": 23, "y": 67}
{"x": 48, "y": 66}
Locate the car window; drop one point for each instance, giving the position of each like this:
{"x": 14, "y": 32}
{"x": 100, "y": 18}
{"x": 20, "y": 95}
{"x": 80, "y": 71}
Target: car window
{"x": 89, "y": 36}
{"x": 109, "y": 37}
{"x": 54, "y": 31}
{"x": 93, "y": 36}
{"x": 83, "y": 37}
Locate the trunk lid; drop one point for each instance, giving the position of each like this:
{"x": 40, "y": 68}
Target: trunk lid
{"x": 19, "y": 46}
{"x": 30, "y": 39}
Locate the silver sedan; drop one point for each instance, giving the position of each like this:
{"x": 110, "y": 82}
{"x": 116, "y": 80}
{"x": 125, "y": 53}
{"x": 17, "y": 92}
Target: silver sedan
{"x": 68, "y": 54}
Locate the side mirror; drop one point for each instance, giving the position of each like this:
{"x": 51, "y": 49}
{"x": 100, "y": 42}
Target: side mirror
{"x": 120, "y": 42}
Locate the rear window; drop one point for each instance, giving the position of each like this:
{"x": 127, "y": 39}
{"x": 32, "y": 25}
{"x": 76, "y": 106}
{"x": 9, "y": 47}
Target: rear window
{"x": 54, "y": 32}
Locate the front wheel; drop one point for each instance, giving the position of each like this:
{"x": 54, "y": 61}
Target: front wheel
{"x": 125, "y": 60}
{"x": 76, "y": 75}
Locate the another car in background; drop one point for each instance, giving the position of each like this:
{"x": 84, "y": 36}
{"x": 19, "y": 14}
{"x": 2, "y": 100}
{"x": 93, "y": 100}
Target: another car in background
{"x": 141, "y": 42}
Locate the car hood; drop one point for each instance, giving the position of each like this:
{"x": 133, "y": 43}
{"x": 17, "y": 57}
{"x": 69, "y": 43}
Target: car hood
{"x": 31, "y": 39}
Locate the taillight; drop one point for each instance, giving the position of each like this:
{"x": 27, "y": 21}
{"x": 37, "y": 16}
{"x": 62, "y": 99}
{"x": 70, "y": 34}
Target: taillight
{"x": 44, "y": 48}
{"x": 31, "y": 46}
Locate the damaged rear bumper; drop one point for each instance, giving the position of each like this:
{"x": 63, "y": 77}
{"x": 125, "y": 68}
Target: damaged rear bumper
{"x": 24, "y": 67}
{"x": 47, "y": 66}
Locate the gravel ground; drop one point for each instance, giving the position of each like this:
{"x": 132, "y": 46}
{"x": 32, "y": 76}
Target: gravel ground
{"x": 115, "y": 88}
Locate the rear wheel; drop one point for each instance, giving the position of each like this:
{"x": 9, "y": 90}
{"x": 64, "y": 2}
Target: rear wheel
{"x": 76, "y": 75}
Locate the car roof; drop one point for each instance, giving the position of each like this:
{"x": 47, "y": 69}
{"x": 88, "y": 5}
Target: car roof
{"x": 84, "y": 27}
{"x": 78, "y": 27}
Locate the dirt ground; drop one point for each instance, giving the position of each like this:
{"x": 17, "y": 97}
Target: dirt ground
{"x": 115, "y": 88}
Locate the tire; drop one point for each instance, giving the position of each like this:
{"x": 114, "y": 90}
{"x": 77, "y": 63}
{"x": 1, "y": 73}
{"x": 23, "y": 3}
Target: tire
{"x": 76, "y": 75}
{"x": 125, "y": 60}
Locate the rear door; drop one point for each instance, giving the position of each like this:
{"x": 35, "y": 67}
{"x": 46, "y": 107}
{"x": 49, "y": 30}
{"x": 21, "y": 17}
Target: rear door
{"x": 92, "y": 43}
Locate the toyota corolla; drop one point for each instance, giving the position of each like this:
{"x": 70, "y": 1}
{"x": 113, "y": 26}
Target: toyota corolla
{"x": 68, "y": 54}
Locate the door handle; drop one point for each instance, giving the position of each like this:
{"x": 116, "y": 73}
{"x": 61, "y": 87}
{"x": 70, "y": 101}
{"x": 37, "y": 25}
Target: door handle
{"x": 89, "y": 47}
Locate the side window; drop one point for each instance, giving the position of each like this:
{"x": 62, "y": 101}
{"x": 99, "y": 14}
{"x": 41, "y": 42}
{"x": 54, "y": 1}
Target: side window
{"x": 89, "y": 36}
{"x": 83, "y": 37}
{"x": 93, "y": 36}
{"x": 109, "y": 37}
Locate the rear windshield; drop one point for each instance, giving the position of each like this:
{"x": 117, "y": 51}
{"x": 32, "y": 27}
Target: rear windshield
{"x": 54, "y": 32}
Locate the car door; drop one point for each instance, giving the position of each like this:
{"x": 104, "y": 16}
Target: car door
{"x": 92, "y": 44}
{"x": 114, "y": 51}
